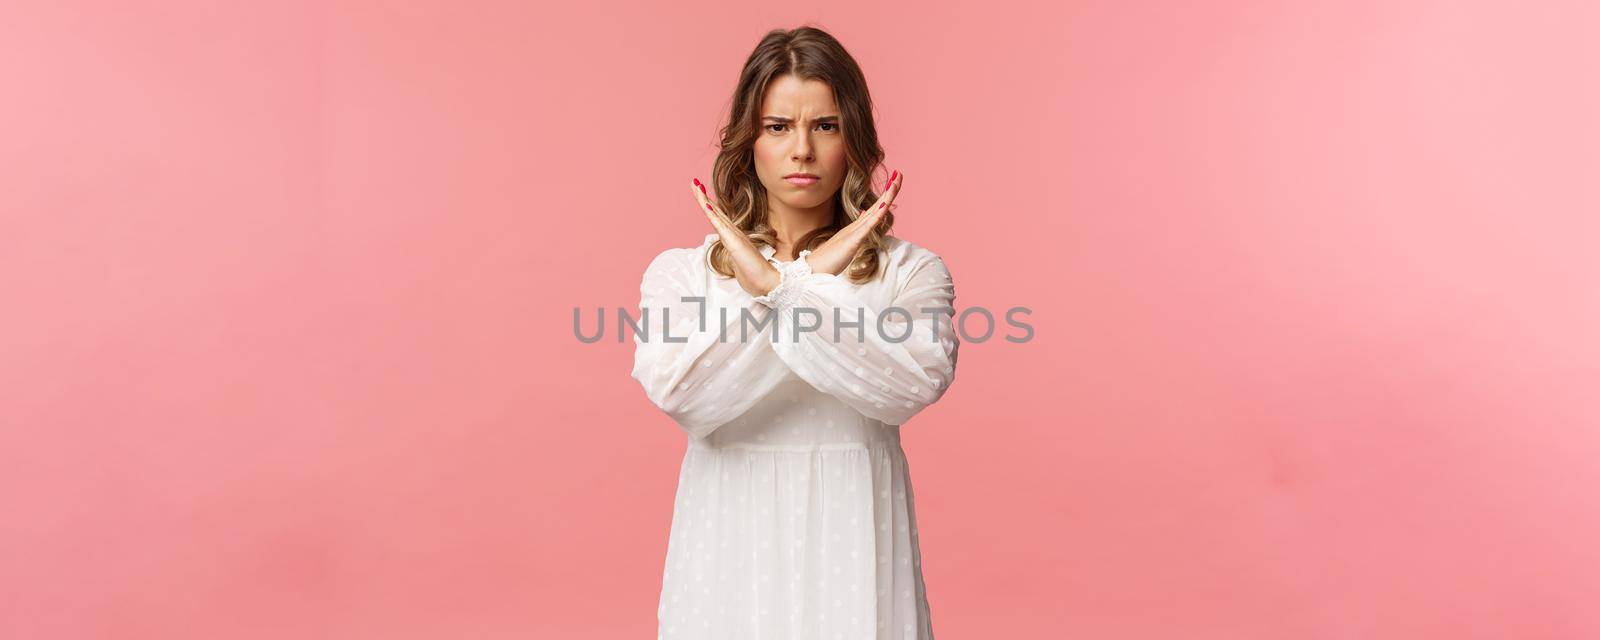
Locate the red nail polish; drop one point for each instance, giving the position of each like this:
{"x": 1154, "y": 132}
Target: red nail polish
{"x": 894, "y": 175}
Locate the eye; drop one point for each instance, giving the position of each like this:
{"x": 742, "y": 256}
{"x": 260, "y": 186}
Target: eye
{"x": 835, "y": 127}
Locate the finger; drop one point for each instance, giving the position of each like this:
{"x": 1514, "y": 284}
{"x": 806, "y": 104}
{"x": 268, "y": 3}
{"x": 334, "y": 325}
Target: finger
{"x": 894, "y": 187}
{"x": 705, "y": 207}
{"x": 890, "y": 189}
{"x": 879, "y": 204}
{"x": 717, "y": 211}
{"x": 716, "y": 214}
{"x": 699, "y": 192}
{"x": 886, "y": 201}
{"x": 701, "y": 199}
{"x": 720, "y": 222}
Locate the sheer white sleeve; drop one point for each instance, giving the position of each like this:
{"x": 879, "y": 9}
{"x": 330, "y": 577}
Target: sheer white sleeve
{"x": 888, "y": 364}
{"x": 701, "y": 369}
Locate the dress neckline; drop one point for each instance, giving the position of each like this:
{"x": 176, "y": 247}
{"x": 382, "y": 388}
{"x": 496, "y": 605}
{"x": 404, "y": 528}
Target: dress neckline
{"x": 770, "y": 253}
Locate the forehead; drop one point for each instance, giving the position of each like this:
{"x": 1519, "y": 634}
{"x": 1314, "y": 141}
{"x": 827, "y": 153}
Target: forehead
{"x": 788, "y": 94}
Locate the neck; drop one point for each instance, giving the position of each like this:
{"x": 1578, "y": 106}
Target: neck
{"x": 790, "y": 224}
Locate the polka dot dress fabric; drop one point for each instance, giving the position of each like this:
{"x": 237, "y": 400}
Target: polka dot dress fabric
{"x": 795, "y": 515}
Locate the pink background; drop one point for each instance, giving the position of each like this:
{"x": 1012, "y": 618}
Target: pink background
{"x": 287, "y": 347}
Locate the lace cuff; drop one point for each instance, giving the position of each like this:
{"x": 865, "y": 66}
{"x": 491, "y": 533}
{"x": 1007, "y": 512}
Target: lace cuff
{"x": 789, "y": 286}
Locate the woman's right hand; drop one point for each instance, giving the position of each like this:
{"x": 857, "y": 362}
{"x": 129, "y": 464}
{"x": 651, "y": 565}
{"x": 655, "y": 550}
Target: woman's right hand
{"x": 838, "y": 251}
{"x": 755, "y": 275}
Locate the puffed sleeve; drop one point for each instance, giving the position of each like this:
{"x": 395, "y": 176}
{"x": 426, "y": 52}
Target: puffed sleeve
{"x": 701, "y": 375}
{"x": 887, "y": 375}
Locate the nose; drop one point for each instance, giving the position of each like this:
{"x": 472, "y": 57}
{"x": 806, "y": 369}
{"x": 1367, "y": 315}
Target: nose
{"x": 802, "y": 148}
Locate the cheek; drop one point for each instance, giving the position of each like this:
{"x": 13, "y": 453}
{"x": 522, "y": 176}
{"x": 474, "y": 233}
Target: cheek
{"x": 765, "y": 154}
{"x": 836, "y": 156}
{"x": 835, "y": 160}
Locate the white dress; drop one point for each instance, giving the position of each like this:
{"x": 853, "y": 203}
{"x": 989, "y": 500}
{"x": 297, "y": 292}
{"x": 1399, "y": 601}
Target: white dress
{"x": 794, "y": 517}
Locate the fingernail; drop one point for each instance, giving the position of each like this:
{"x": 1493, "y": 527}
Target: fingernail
{"x": 702, "y": 187}
{"x": 894, "y": 175}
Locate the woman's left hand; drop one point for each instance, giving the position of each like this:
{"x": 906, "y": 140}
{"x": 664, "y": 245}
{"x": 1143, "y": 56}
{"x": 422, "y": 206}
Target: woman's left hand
{"x": 836, "y": 254}
{"x": 757, "y": 276}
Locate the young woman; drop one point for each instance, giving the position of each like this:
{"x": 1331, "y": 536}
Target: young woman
{"x": 791, "y": 345}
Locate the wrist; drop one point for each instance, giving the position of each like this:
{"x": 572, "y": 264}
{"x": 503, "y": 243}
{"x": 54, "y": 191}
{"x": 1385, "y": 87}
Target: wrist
{"x": 770, "y": 279}
{"x": 788, "y": 286}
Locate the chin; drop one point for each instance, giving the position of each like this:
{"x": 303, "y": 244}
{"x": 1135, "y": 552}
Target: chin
{"x": 806, "y": 203}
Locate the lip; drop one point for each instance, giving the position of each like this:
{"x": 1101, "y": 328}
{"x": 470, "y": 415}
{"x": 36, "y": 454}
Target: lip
{"x": 802, "y": 179}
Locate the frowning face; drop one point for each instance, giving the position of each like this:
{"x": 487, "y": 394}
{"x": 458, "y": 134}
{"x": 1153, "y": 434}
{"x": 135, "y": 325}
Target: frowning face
{"x": 800, "y": 134}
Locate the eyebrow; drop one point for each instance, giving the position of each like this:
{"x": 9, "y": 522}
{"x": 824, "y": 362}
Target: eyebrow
{"x": 783, "y": 119}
